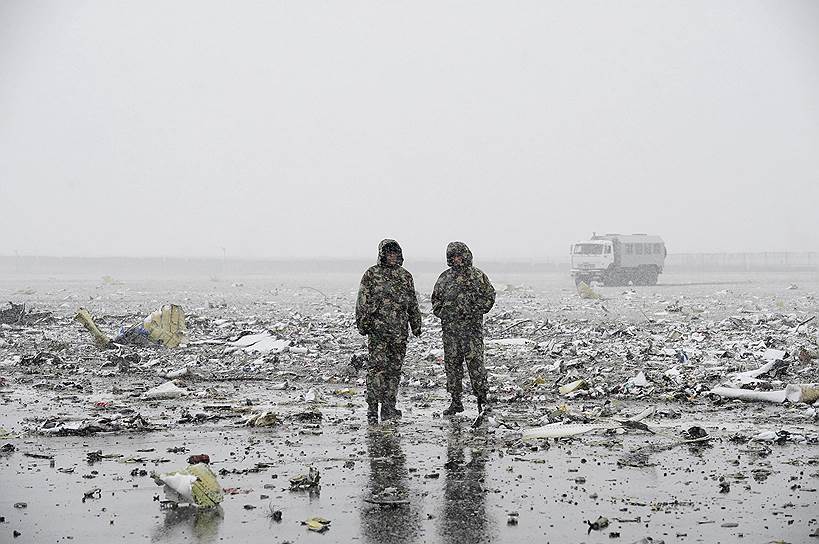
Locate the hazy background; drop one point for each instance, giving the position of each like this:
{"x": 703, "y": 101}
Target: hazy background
{"x": 298, "y": 129}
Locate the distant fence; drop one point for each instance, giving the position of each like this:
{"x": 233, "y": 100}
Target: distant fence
{"x": 743, "y": 261}
{"x": 180, "y": 267}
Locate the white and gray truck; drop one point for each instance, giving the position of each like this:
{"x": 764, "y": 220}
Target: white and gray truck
{"x": 618, "y": 259}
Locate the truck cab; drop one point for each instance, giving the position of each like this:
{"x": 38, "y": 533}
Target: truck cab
{"x": 618, "y": 259}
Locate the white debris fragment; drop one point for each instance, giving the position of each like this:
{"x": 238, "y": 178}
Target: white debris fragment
{"x": 673, "y": 374}
{"x": 168, "y": 390}
{"x": 774, "y": 354}
{"x": 174, "y": 374}
{"x": 750, "y": 376}
{"x": 312, "y": 395}
{"x": 639, "y": 380}
{"x": 510, "y": 342}
{"x": 765, "y": 436}
{"x": 792, "y": 393}
{"x": 260, "y": 343}
{"x": 562, "y": 430}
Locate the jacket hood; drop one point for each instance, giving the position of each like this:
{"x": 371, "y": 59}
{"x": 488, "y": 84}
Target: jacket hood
{"x": 458, "y": 248}
{"x": 389, "y": 245}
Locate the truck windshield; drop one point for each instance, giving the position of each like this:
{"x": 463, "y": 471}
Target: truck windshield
{"x": 588, "y": 249}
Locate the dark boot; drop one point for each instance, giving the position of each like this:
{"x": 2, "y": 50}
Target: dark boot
{"x": 372, "y": 413}
{"x": 483, "y": 404}
{"x": 389, "y": 411}
{"x": 455, "y": 407}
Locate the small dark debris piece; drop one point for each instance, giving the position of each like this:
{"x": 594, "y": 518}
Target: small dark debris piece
{"x": 38, "y": 455}
{"x": 7, "y": 448}
{"x": 277, "y": 515}
{"x": 614, "y": 534}
{"x": 513, "y": 520}
{"x": 201, "y": 458}
{"x": 308, "y": 416}
{"x": 95, "y": 493}
{"x": 598, "y": 524}
{"x": 20, "y": 505}
{"x": 249, "y": 507}
{"x": 93, "y": 456}
{"x": 432, "y": 475}
{"x": 16, "y": 533}
{"x": 724, "y": 487}
{"x": 695, "y": 432}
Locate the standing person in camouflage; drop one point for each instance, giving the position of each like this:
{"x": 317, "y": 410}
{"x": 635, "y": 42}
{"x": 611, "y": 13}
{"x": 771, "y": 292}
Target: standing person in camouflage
{"x": 386, "y": 308}
{"x": 461, "y": 296}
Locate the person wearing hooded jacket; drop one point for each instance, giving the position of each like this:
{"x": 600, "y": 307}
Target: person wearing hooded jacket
{"x": 386, "y": 308}
{"x": 461, "y": 297}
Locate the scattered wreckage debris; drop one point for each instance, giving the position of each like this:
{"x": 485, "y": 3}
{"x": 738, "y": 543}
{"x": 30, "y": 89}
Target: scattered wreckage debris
{"x": 262, "y": 419}
{"x": 309, "y": 481}
{"x": 317, "y": 524}
{"x": 164, "y": 327}
{"x": 20, "y": 314}
{"x": 196, "y": 485}
{"x": 807, "y": 394}
{"x": 565, "y": 430}
{"x": 598, "y": 525}
{"x": 640, "y": 456}
{"x": 586, "y": 292}
{"x": 72, "y": 426}
{"x": 262, "y": 343}
{"x": 552, "y": 376}
{"x": 168, "y": 390}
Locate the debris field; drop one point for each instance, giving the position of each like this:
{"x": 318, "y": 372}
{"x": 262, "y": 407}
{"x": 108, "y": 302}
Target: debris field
{"x": 212, "y": 410}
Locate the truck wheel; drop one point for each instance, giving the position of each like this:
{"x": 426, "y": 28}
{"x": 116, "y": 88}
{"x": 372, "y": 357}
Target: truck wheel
{"x": 651, "y": 276}
{"x": 612, "y": 278}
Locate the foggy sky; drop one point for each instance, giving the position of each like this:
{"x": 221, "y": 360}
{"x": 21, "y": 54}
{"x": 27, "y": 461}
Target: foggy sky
{"x": 306, "y": 128}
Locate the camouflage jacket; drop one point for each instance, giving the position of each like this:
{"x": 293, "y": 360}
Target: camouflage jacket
{"x": 387, "y": 303}
{"x": 462, "y": 293}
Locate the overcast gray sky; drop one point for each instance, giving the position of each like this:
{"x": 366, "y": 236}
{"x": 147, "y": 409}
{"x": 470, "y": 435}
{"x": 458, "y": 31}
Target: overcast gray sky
{"x": 302, "y": 128}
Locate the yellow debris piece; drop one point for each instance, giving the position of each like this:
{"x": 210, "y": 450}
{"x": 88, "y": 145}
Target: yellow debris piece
{"x": 84, "y": 317}
{"x": 197, "y": 484}
{"x": 587, "y": 292}
{"x": 167, "y": 326}
{"x": 317, "y": 524}
{"x": 574, "y": 386}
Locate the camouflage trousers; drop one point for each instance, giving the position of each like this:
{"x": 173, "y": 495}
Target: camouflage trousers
{"x": 384, "y": 369}
{"x": 460, "y": 348}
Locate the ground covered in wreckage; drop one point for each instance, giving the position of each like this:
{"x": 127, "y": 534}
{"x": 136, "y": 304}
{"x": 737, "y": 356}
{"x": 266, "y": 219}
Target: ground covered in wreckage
{"x": 73, "y": 417}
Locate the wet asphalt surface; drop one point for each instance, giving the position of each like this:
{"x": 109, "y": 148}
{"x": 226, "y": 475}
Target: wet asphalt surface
{"x": 462, "y": 484}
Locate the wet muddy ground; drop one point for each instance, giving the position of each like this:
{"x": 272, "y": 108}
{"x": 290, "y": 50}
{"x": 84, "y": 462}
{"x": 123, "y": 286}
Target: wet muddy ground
{"x": 460, "y": 484}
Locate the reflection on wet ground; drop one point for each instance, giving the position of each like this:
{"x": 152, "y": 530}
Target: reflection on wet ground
{"x": 202, "y": 524}
{"x": 463, "y": 512}
{"x": 388, "y": 479}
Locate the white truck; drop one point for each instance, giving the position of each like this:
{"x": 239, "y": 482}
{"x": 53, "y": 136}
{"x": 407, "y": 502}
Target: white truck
{"x": 618, "y": 259}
